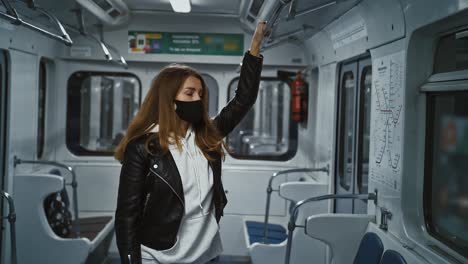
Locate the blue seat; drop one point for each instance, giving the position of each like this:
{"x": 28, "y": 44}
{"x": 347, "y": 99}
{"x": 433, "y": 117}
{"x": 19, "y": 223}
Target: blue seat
{"x": 276, "y": 233}
{"x": 370, "y": 249}
{"x": 392, "y": 257}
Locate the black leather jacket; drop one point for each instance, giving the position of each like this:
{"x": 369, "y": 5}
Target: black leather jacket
{"x": 154, "y": 220}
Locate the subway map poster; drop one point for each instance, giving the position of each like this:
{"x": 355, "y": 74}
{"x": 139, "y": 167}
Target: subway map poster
{"x": 388, "y": 107}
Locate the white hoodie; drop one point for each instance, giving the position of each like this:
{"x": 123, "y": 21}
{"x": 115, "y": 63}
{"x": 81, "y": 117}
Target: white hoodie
{"x": 198, "y": 239}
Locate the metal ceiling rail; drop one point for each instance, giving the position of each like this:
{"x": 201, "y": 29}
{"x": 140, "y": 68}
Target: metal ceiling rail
{"x": 271, "y": 20}
{"x": 294, "y": 14}
{"x": 13, "y": 16}
{"x": 81, "y": 30}
{"x": 274, "y": 20}
{"x": 122, "y": 61}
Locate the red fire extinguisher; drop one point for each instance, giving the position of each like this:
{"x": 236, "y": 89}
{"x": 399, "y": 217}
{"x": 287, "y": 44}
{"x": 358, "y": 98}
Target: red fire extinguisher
{"x": 299, "y": 98}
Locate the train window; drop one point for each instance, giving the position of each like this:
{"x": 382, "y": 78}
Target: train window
{"x": 353, "y": 135}
{"x": 267, "y": 131}
{"x": 446, "y": 181}
{"x": 99, "y": 109}
{"x": 452, "y": 53}
{"x": 364, "y": 127}
{"x": 345, "y": 167}
{"x": 41, "y": 108}
{"x": 212, "y": 93}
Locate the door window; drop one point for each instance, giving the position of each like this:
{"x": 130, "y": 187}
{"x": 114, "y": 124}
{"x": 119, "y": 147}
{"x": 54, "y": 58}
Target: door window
{"x": 100, "y": 108}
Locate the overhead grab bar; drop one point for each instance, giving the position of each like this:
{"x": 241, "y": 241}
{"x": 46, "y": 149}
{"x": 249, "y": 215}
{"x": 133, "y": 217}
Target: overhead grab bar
{"x": 271, "y": 20}
{"x": 81, "y": 31}
{"x": 294, "y": 14}
{"x": 283, "y": 38}
{"x": 122, "y": 61}
{"x": 11, "y": 219}
{"x": 292, "y": 220}
{"x": 73, "y": 184}
{"x": 13, "y": 16}
{"x": 292, "y": 10}
{"x": 274, "y": 20}
{"x": 270, "y": 190}
{"x": 103, "y": 46}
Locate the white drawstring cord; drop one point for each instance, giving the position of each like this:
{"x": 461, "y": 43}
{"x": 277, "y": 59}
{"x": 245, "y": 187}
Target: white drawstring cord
{"x": 196, "y": 172}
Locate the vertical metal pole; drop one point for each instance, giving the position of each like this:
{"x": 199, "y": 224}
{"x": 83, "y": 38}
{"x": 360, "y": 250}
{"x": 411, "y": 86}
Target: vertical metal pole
{"x": 11, "y": 219}
{"x": 267, "y": 213}
{"x": 291, "y": 227}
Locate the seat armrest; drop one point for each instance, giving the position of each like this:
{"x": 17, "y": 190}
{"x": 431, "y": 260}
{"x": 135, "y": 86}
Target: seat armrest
{"x": 342, "y": 232}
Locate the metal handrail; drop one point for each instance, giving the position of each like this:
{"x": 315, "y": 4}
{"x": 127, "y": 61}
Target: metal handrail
{"x": 272, "y": 19}
{"x": 270, "y": 189}
{"x": 81, "y": 31}
{"x": 11, "y": 219}
{"x": 73, "y": 184}
{"x": 13, "y": 16}
{"x": 292, "y": 220}
{"x": 122, "y": 61}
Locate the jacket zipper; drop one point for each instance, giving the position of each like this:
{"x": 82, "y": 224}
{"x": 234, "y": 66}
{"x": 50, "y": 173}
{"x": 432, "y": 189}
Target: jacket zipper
{"x": 169, "y": 186}
{"x": 147, "y": 197}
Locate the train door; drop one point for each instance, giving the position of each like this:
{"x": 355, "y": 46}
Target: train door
{"x": 3, "y": 108}
{"x": 353, "y": 134}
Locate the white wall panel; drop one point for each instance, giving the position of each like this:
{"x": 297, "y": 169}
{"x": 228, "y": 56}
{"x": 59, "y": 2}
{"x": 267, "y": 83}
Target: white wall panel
{"x": 247, "y": 192}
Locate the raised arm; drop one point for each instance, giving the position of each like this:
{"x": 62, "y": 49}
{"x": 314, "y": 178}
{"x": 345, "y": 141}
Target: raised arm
{"x": 247, "y": 88}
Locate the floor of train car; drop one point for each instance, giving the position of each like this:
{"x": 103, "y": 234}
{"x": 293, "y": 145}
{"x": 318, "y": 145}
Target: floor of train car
{"x": 220, "y": 260}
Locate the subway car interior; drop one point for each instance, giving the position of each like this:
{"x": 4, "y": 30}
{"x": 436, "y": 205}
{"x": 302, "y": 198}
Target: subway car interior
{"x": 355, "y": 151}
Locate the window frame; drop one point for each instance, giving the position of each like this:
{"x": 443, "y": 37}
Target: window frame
{"x": 341, "y": 133}
{"x": 361, "y": 117}
{"x": 432, "y": 92}
{"x": 293, "y": 131}
{"x": 42, "y": 106}
{"x": 74, "y": 109}
{"x": 438, "y": 69}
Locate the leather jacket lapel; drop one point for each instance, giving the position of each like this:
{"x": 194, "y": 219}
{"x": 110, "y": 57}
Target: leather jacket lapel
{"x": 164, "y": 165}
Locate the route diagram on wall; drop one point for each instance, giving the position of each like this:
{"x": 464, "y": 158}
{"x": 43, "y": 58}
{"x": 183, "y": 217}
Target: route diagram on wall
{"x": 387, "y": 120}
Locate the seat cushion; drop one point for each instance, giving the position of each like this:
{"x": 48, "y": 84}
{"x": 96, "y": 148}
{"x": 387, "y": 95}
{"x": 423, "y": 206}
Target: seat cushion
{"x": 370, "y": 249}
{"x": 392, "y": 257}
{"x": 276, "y": 233}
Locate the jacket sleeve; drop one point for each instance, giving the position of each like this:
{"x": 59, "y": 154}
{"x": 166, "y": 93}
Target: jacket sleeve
{"x": 129, "y": 201}
{"x": 245, "y": 95}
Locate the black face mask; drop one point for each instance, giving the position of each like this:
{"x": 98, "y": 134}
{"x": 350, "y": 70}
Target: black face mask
{"x": 191, "y": 112}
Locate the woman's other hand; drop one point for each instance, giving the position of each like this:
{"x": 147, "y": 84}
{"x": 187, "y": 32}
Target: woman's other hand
{"x": 257, "y": 38}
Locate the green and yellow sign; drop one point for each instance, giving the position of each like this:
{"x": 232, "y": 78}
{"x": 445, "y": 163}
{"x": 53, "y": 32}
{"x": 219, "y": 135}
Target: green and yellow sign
{"x": 185, "y": 43}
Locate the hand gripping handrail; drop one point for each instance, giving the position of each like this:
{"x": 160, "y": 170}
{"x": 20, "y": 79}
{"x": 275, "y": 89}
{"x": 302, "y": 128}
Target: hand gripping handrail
{"x": 270, "y": 189}
{"x": 12, "y": 219}
{"x": 13, "y": 16}
{"x": 73, "y": 184}
{"x": 292, "y": 220}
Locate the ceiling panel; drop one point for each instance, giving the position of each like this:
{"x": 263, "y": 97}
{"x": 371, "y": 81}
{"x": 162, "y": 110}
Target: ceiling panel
{"x": 198, "y": 6}
{"x": 311, "y": 22}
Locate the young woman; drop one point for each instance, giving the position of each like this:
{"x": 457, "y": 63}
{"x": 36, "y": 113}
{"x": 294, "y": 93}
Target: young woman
{"x": 171, "y": 197}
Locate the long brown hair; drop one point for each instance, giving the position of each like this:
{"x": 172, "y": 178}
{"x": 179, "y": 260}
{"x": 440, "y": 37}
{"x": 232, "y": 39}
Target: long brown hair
{"x": 158, "y": 108}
